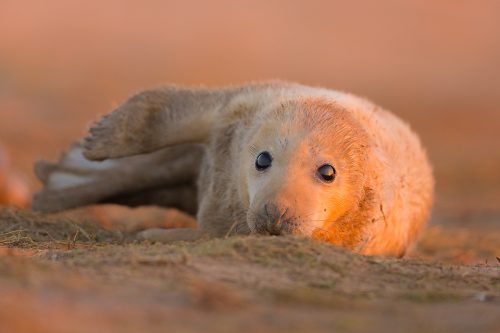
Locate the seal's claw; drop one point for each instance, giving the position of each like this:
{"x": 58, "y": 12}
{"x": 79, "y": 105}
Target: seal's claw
{"x": 102, "y": 139}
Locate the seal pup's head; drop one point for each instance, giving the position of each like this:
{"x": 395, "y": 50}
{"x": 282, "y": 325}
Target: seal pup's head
{"x": 303, "y": 167}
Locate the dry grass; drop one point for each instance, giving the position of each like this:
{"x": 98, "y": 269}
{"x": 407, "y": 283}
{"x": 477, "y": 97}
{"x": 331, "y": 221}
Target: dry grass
{"x": 30, "y": 230}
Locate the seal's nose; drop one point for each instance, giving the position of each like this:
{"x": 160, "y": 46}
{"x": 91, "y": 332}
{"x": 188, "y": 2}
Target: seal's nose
{"x": 275, "y": 217}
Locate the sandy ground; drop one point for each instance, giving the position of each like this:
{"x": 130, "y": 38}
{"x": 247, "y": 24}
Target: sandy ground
{"x": 57, "y": 275}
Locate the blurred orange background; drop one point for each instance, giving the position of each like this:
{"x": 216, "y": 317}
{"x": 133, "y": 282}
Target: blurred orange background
{"x": 434, "y": 63}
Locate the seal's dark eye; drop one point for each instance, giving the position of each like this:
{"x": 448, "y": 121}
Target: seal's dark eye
{"x": 263, "y": 161}
{"x": 327, "y": 172}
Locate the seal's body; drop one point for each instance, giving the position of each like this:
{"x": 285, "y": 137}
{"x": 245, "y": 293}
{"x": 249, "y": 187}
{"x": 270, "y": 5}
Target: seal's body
{"x": 271, "y": 158}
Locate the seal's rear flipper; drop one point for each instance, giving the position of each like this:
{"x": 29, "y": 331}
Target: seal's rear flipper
{"x": 143, "y": 179}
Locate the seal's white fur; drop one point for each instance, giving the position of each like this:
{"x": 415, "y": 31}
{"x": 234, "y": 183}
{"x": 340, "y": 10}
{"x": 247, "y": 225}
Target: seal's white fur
{"x": 378, "y": 203}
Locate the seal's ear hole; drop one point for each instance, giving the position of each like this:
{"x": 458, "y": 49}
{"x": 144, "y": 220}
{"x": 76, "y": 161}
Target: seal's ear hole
{"x": 263, "y": 161}
{"x": 327, "y": 173}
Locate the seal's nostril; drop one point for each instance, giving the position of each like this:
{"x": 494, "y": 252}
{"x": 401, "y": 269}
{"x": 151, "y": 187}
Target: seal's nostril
{"x": 274, "y": 218}
{"x": 284, "y": 213}
{"x": 272, "y": 212}
{"x": 265, "y": 210}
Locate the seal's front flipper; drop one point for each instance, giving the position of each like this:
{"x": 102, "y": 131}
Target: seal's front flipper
{"x": 153, "y": 119}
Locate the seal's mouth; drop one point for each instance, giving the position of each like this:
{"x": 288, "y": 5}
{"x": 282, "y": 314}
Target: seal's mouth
{"x": 282, "y": 226}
